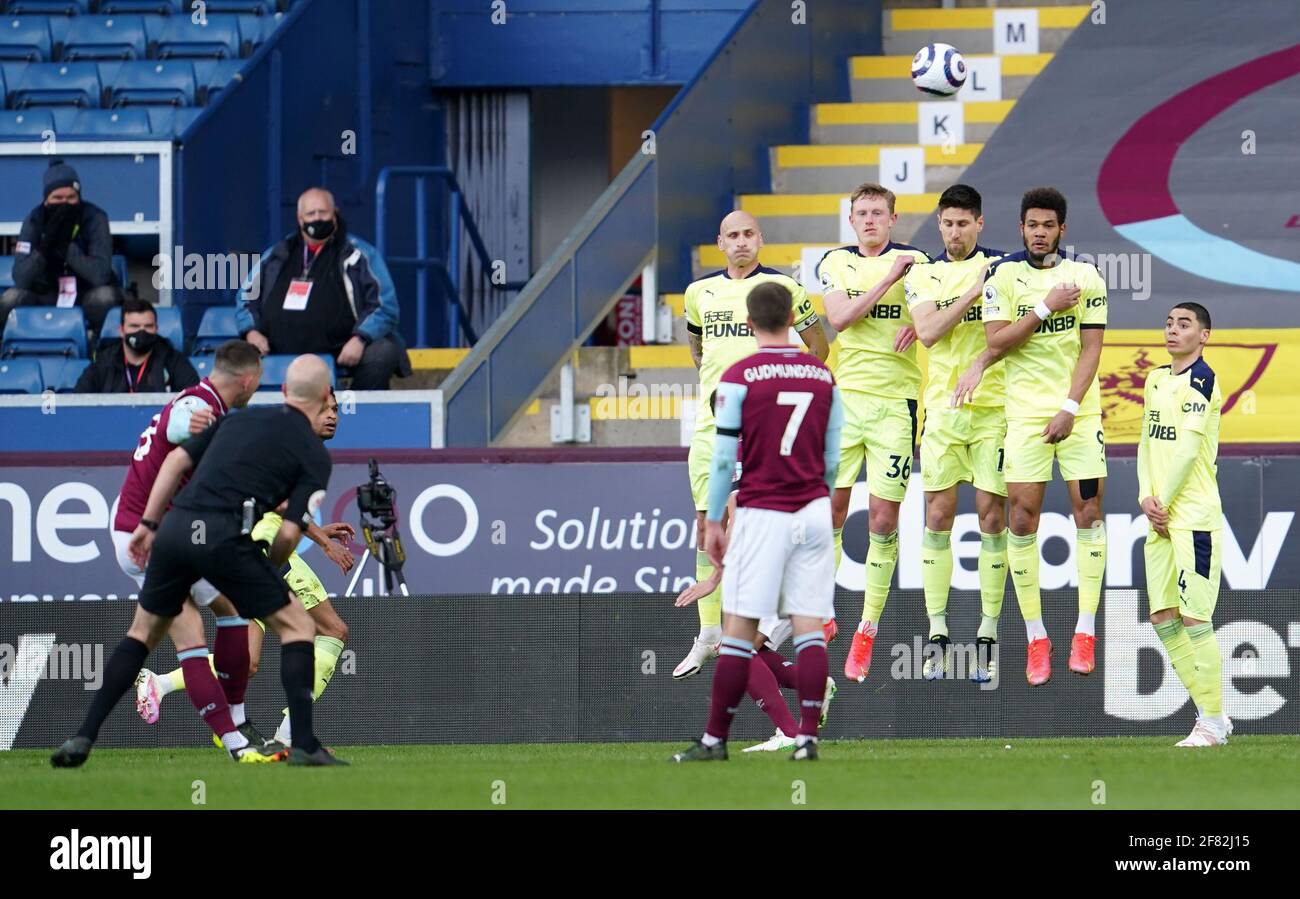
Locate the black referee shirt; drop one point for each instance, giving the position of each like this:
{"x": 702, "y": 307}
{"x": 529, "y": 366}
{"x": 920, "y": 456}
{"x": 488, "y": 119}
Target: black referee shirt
{"x": 268, "y": 453}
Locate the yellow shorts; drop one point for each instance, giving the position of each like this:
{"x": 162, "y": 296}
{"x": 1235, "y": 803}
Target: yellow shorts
{"x": 882, "y": 432}
{"x": 1183, "y": 571}
{"x": 964, "y": 446}
{"x": 1081, "y": 456}
{"x": 300, "y": 578}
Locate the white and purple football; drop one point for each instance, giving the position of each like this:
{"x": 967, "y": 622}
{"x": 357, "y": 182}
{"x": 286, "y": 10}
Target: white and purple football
{"x": 938, "y": 70}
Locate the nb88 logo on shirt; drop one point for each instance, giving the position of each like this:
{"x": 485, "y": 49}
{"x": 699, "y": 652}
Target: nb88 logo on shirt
{"x": 894, "y": 311}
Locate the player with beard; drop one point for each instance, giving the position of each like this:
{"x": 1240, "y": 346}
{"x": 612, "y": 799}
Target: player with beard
{"x": 1045, "y": 317}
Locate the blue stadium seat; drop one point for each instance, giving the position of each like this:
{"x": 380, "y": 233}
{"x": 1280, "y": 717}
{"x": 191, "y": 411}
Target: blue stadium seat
{"x": 215, "y": 328}
{"x": 26, "y": 123}
{"x": 57, "y": 84}
{"x": 213, "y": 77}
{"x": 249, "y": 7}
{"x": 162, "y": 82}
{"x": 105, "y": 37}
{"x": 6, "y": 272}
{"x": 49, "y": 7}
{"x": 44, "y": 331}
{"x": 60, "y": 374}
{"x": 269, "y": 26}
{"x": 183, "y": 38}
{"x": 20, "y": 376}
{"x": 202, "y": 365}
{"x": 109, "y": 123}
{"x": 119, "y": 269}
{"x": 177, "y": 120}
{"x": 274, "y": 368}
{"x": 139, "y": 7}
{"x": 26, "y": 38}
{"x": 169, "y": 326}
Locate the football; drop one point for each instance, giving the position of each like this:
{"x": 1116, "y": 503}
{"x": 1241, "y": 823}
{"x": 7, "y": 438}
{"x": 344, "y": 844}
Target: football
{"x": 938, "y": 70}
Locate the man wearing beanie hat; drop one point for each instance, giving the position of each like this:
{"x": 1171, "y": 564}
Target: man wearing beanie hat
{"x": 64, "y": 253}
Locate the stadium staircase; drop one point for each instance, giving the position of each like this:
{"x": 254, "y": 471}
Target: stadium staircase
{"x": 659, "y": 382}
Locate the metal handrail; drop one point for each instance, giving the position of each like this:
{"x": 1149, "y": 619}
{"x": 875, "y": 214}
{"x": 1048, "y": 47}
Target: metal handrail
{"x": 479, "y": 357}
{"x": 458, "y": 215}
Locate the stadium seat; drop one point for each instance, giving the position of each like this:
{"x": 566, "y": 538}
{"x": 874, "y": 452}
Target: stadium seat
{"x": 6, "y": 272}
{"x": 20, "y": 376}
{"x": 269, "y": 26}
{"x": 215, "y": 76}
{"x": 138, "y": 7}
{"x": 248, "y": 7}
{"x": 26, "y": 38}
{"x": 58, "y": 373}
{"x": 167, "y": 83}
{"x": 26, "y": 123}
{"x": 49, "y": 7}
{"x": 44, "y": 331}
{"x": 119, "y": 269}
{"x": 202, "y": 365}
{"x": 106, "y": 37}
{"x": 110, "y": 123}
{"x": 183, "y": 38}
{"x": 215, "y": 328}
{"x": 169, "y": 326}
{"x": 171, "y": 121}
{"x": 57, "y": 84}
{"x": 274, "y": 368}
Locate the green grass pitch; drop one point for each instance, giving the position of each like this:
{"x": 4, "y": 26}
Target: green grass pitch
{"x": 1251, "y": 772}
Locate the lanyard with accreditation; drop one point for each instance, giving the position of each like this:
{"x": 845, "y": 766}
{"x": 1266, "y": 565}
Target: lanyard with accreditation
{"x": 295, "y": 298}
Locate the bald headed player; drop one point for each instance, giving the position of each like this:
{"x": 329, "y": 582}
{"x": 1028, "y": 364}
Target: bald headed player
{"x": 880, "y": 383}
{"x": 258, "y": 459}
{"x": 719, "y": 336}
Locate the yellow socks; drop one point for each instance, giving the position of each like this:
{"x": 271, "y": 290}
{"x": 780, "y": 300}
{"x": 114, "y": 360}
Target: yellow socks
{"x": 936, "y": 578}
{"x": 1090, "y": 553}
{"x": 993, "y": 581}
{"x": 882, "y": 556}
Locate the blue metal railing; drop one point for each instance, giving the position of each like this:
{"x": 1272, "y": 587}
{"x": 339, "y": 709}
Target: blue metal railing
{"x": 445, "y": 268}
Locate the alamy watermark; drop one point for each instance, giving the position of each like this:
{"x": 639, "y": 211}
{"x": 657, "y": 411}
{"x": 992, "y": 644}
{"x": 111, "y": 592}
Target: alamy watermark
{"x": 65, "y": 661}
{"x": 207, "y": 271}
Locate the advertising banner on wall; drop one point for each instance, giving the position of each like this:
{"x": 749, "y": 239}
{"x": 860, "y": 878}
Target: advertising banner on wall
{"x": 609, "y": 527}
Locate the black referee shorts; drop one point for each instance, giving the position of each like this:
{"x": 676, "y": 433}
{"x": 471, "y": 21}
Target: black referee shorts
{"x": 183, "y": 552}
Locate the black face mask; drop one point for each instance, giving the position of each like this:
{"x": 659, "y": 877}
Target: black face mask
{"x": 141, "y": 341}
{"x": 319, "y": 229}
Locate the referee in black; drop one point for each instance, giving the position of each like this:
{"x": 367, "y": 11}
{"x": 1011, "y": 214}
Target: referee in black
{"x": 244, "y": 465}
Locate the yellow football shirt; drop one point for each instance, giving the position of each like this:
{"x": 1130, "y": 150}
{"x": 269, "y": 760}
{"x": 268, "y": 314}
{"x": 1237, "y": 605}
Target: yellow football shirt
{"x": 943, "y": 282}
{"x": 867, "y": 360}
{"x": 715, "y": 309}
{"x": 1039, "y": 371}
{"x": 1174, "y": 408}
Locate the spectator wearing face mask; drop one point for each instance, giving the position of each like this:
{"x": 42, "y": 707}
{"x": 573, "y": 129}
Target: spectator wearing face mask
{"x": 64, "y": 253}
{"x": 142, "y": 362}
{"x": 321, "y": 290}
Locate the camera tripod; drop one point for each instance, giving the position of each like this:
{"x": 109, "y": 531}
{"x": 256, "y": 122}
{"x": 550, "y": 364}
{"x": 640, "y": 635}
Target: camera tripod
{"x": 384, "y": 545}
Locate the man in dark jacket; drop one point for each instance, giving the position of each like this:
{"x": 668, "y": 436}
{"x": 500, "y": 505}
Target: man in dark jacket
{"x": 142, "y": 362}
{"x": 64, "y": 253}
{"x": 321, "y": 290}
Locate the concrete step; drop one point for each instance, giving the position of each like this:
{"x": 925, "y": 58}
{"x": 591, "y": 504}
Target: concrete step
{"x": 970, "y": 30}
{"x": 815, "y": 218}
{"x": 896, "y": 123}
{"x": 817, "y": 169}
{"x": 889, "y": 78}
